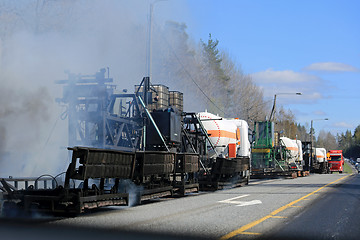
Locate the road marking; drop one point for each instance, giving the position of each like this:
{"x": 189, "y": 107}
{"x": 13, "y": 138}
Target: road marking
{"x": 260, "y": 182}
{"x": 272, "y": 214}
{"x": 250, "y": 233}
{"x": 230, "y": 199}
{"x": 277, "y": 217}
{"x": 241, "y": 203}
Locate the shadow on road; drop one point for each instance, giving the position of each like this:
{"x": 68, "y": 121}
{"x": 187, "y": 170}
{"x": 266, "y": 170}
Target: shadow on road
{"x": 36, "y": 230}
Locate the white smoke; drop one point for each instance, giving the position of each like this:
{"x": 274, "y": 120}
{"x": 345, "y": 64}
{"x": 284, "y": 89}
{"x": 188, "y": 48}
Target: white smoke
{"x": 35, "y": 49}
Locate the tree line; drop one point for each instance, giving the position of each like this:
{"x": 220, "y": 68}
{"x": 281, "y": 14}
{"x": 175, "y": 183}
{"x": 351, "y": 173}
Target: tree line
{"x": 350, "y": 143}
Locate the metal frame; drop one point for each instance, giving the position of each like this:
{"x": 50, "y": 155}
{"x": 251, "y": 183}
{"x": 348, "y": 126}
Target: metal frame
{"x": 92, "y": 120}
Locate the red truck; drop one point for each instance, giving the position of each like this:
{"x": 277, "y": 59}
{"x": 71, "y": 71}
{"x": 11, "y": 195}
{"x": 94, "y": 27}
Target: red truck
{"x": 336, "y": 160}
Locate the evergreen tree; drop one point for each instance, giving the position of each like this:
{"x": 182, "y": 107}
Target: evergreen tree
{"x": 214, "y": 60}
{"x": 217, "y": 79}
{"x": 357, "y": 135}
{"x": 345, "y": 140}
{"x": 303, "y": 134}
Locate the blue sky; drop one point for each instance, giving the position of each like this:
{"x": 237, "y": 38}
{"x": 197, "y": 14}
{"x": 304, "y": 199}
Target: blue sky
{"x": 311, "y": 47}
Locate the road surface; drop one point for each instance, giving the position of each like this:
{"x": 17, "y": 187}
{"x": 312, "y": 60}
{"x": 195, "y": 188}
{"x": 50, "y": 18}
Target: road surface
{"x": 335, "y": 215}
{"x": 240, "y": 213}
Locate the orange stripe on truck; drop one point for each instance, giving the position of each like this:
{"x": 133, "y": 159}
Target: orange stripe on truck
{"x": 221, "y": 133}
{"x": 292, "y": 148}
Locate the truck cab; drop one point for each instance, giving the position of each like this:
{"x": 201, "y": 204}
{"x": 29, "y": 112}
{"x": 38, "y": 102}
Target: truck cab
{"x": 336, "y": 160}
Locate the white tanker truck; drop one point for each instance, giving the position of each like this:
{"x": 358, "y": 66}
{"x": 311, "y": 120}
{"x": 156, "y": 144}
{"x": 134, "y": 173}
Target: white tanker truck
{"x": 230, "y": 161}
{"x": 294, "y": 153}
{"x": 230, "y": 136}
{"x": 320, "y": 163}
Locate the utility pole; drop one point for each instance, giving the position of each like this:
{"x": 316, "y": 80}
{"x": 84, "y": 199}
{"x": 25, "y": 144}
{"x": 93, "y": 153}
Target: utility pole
{"x": 272, "y": 114}
{"x": 311, "y": 140}
{"x": 149, "y": 45}
{"x": 311, "y": 147}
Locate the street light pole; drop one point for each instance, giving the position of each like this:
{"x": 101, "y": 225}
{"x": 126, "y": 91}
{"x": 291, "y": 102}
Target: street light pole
{"x": 311, "y": 147}
{"x": 272, "y": 114}
{"x": 149, "y": 50}
{"x": 311, "y": 141}
{"x": 273, "y": 108}
{"x": 148, "y": 65}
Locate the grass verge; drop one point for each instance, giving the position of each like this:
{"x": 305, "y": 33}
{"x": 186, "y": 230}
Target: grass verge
{"x": 347, "y": 168}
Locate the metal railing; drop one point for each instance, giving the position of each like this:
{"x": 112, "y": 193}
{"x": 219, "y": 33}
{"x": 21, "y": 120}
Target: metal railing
{"x": 42, "y": 182}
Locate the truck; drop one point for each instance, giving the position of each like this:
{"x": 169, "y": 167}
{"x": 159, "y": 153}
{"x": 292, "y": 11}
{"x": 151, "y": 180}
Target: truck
{"x": 336, "y": 160}
{"x": 272, "y": 155}
{"x": 320, "y": 162}
{"x": 228, "y": 156}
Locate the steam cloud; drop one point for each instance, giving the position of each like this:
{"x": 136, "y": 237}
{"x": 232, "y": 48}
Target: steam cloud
{"x": 38, "y": 41}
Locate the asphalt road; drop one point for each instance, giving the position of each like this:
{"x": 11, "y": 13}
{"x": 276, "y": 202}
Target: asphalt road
{"x": 250, "y": 212}
{"x": 267, "y": 209}
{"x": 335, "y": 215}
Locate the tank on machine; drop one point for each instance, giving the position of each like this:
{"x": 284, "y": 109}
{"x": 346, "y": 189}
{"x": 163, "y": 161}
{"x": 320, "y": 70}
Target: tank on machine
{"x": 320, "y": 163}
{"x": 229, "y": 157}
{"x": 293, "y": 153}
{"x": 315, "y": 159}
{"x": 300, "y": 156}
{"x": 224, "y": 132}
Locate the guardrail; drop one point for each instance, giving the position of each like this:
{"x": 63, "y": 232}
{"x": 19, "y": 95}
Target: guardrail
{"x": 42, "y": 182}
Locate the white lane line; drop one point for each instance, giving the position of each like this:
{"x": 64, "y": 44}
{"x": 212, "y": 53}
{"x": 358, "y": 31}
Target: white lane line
{"x": 230, "y": 199}
{"x": 241, "y": 203}
{"x": 260, "y": 182}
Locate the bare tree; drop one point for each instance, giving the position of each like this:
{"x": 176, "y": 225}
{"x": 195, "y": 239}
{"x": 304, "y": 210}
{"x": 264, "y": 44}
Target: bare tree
{"x": 285, "y": 123}
{"x": 327, "y": 141}
{"x": 36, "y": 16}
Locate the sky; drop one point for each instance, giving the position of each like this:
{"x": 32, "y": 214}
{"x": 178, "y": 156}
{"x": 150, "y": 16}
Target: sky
{"x": 312, "y": 47}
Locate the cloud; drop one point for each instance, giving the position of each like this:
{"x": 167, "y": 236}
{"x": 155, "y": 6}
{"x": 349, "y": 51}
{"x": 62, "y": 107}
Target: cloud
{"x": 286, "y": 76}
{"x": 331, "y": 67}
{"x": 319, "y": 113}
{"x": 343, "y": 125}
{"x": 288, "y": 81}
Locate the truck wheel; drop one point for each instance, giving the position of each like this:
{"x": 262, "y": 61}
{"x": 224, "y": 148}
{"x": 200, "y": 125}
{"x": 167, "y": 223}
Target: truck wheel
{"x": 340, "y": 171}
{"x": 331, "y": 172}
